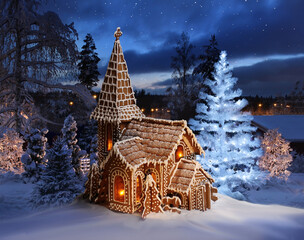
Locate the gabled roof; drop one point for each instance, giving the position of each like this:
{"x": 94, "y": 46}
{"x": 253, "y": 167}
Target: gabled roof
{"x": 151, "y": 140}
{"x": 185, "y": 174}
{"x": 290, "y": 126}
{"x": 116, "y": 100}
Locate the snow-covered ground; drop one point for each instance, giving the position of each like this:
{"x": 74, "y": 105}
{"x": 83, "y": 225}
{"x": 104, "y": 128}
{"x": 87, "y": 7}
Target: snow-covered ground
{"x": 228, "y": 218}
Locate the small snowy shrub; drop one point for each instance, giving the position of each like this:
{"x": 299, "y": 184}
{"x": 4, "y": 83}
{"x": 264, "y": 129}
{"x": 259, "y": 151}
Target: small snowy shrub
{"x": 33, "y": 159}
{"x": 69, "y": 133}
{"x": 59, "y": 184}
{"x": 297, "y": 165}
{"x": 277, "y": 157}
{"x": 11, "y": 151}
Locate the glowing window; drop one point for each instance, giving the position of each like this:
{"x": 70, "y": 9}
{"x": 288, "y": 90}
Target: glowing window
{"x": 109, "y": 138}
{"x": 179, "y": 153}
{"x": 138, "y": 188}
{"x": 119, "y": 189}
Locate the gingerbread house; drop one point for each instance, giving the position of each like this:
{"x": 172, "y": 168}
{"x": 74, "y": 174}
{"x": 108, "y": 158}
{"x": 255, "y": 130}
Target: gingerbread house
{"x": 145, "y": 164}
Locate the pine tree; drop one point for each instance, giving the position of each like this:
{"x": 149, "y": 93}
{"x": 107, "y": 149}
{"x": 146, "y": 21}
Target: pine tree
{"x": 206, "y": 66}
{"x": 88, "y": 65}
{"x": 69, "y": 133}
{"x": 207, "y": 60}
{"x": 11, "y": 151}
{"x": 226, "y": 133}
{"x": 59, "y": 184}
{"x": 33, "y": 159}
{"x": 277, "y": 157}
{"x": 181, "y": 97}
{"x": 152, "y": 202}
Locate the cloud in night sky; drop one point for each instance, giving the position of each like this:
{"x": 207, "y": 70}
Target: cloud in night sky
{"x": 247, "y": 30}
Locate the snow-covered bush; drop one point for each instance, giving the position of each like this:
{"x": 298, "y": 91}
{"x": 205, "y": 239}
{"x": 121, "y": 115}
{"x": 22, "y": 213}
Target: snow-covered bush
{"x": 33, "y": 158}
{"x": 226, "y": 134}
{"x": 277, "y": 157}
{"x": 11, "y": 151}
{"x": 58, "y": 184}
{"x": 69, "y": 133}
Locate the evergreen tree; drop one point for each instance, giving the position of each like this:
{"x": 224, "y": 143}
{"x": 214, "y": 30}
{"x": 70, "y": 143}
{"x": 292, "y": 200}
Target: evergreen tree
{"x": 88, "y": 63}
{"x": 225, "y": 131}
{"x": 181, "y": 97}
{"x": 207, "y": 60}
{"x": 11, "y": 151}
{"x": 277, "y": 157}
{"x": 33, "y": 158}
{"x": 59, "y": 184}
{"x": 69, "y": 133}
{"x": 206, "y": 64}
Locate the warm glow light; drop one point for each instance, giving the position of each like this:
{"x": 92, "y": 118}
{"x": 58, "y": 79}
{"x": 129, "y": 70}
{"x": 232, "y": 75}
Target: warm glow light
{"x": 168, "y": 111}
{"x": 94, "y": 96}
{"x": 260, "y": 104}
{"x": 110, "y": 144}
{"x": 288, "y": 106}
{"x": 122, "y": 192}
{"x": 142, "y": 109}
{"x": 156, "y": 109}
{"x": 180, "y": 155}
{"x": 274, "y": 104}
{"x": 152, "y": 109}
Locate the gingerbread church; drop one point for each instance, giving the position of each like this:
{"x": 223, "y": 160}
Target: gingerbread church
{"x": 145, "y": 164}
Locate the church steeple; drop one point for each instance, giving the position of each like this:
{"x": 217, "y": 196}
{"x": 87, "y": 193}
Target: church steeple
{"x": 117, "y": 102}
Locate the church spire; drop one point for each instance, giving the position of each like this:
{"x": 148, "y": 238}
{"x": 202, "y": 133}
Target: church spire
{"x": 117, "y": 101}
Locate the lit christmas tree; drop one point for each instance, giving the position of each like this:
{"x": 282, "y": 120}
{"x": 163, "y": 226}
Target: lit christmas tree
{"x": 225, "y": 131}
{"x": 277, "y": 157}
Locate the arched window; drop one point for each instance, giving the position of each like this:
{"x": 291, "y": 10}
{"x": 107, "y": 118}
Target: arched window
{"x": 109, "y": 141}
{"x": 138, "y": 188}
{"x": 179, "y": 153}
{"x": 119, "y": 189}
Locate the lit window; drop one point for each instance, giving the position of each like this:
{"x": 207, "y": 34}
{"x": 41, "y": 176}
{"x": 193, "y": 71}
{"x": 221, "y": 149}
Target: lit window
{"x": 138, "y": 188}
{"x": 179, "y": 153}
{"x": 119, "y": 189}
{"x": 109, "y": 137}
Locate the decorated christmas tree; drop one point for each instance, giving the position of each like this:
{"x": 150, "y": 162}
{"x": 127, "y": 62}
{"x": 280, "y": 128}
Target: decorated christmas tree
{"x": 58, "y": 184}
{"x": 33, "y": 158}
{"x": 231, "y": 151}
{"x": 152, "y": 202}
{"x": 11, "y": 151}
{"x": 277, "y": 157}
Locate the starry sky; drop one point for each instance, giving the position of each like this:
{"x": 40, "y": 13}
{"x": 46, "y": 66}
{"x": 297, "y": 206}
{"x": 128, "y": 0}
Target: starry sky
{"x": 264, "y": 39}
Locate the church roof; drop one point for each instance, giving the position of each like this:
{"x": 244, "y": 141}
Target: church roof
{"x": 152, "y": 140}
{"x": 117, "y": 102}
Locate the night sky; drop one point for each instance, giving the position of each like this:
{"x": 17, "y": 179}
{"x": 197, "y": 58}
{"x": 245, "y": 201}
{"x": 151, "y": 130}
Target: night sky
{"x": 264, "y": 39}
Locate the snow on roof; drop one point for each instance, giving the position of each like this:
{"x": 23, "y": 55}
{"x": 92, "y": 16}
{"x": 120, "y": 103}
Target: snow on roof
{"x": 117, "y": 101}
{"x": 290, "y": 126}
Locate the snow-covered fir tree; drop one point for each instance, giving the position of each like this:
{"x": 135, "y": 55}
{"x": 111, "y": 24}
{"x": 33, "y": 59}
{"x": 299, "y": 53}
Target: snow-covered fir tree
{"x": 33, "y": 158}
{"x": 94, "y": 150}
{"x": 88, "y": 63}
{"x": 11, "y": 151}
{"x": 277, "y": 157}
{"x": 69, "y": 133}
{"x": 58, "y": 184}
{"x": 226, "y": 133}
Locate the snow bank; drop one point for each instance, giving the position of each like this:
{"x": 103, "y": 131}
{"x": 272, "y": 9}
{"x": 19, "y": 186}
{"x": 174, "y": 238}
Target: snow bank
{"x": 228, "y": 219}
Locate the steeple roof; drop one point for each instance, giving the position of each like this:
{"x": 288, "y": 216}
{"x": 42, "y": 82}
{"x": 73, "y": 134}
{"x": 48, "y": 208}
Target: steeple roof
{"x": 116, "y": 100}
